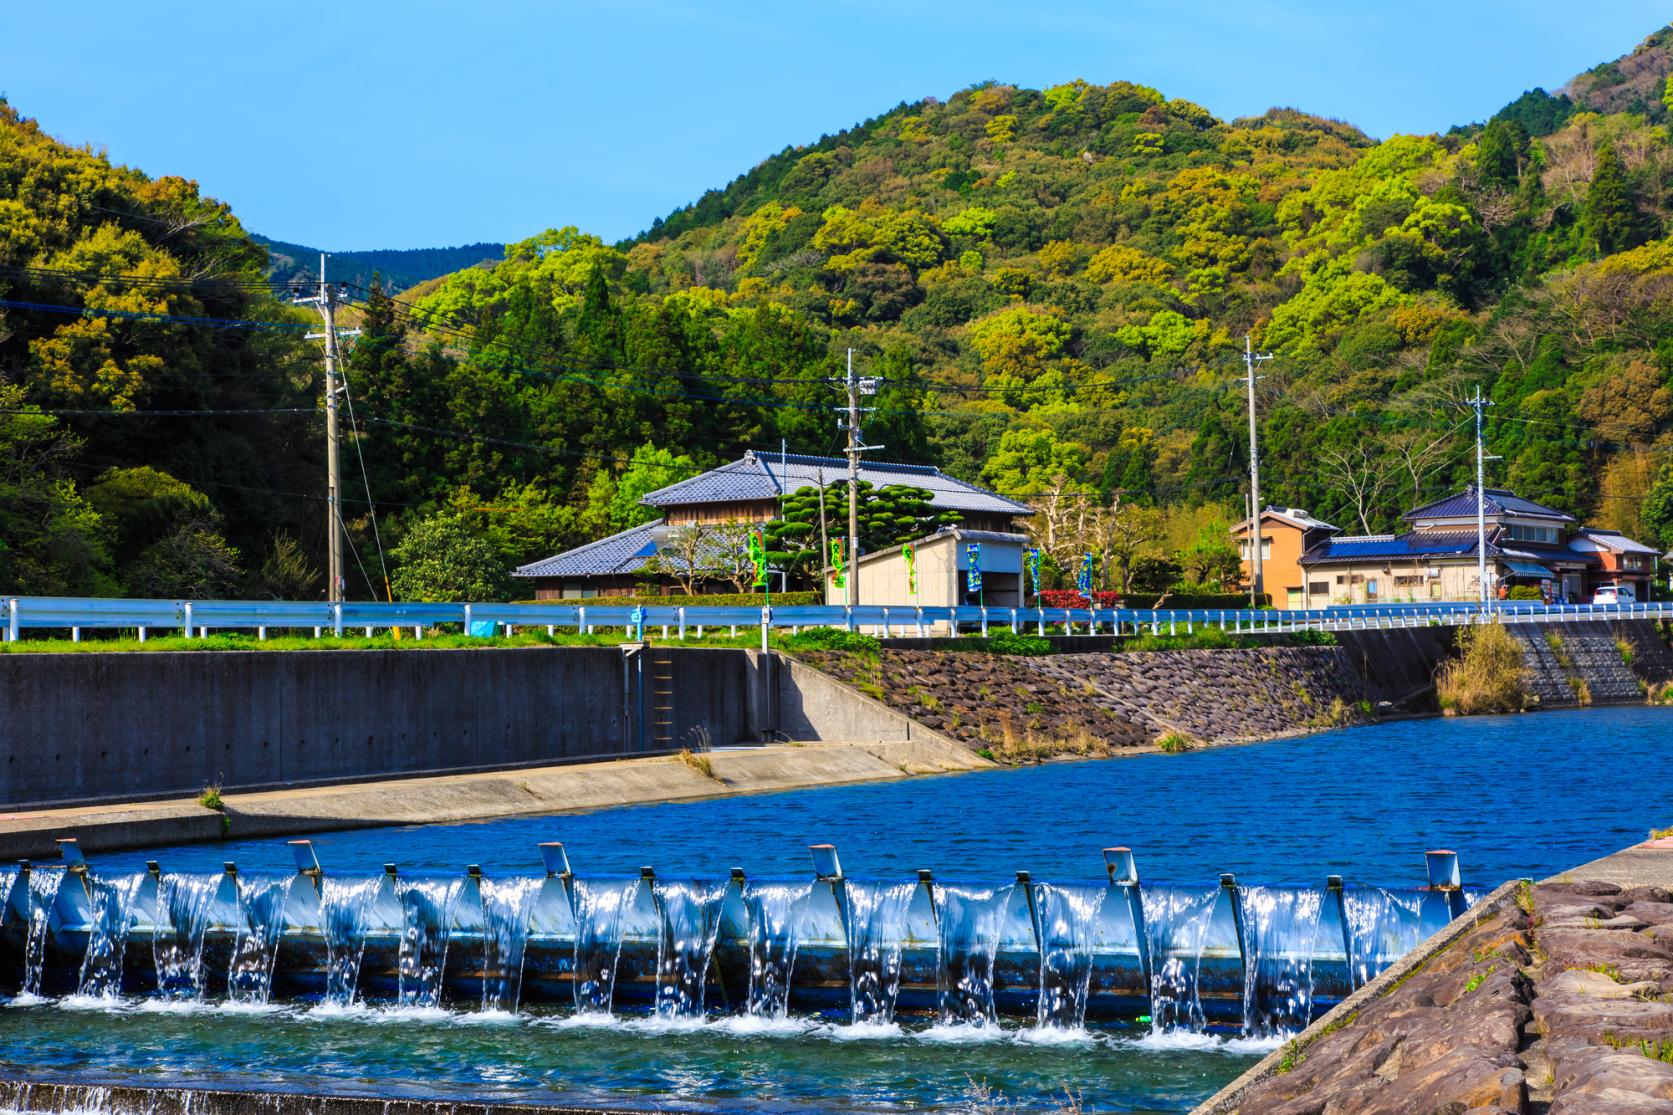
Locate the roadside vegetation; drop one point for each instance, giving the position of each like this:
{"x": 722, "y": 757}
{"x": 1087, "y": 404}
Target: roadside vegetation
{"x": 1486, "y": 676}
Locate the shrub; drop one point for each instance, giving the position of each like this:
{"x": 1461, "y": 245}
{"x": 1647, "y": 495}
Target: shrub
{"x": 1009, "y": 642}
{"x": 831, "y": 638}
{"x": 210, "y": 798}
{"x": 699, "y": 600}
{"x": 1487, "y": 676}
{"x": 1173, "y": 743}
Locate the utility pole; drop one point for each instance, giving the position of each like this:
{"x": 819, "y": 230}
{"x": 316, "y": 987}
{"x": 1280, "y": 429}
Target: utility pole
{"x": 824, "y": 541}
{"x": 856, "y": 387}
{"x": 1479, "y": 405}
{"x": 1257, "y": 579}
{"x": 326, "y": 301}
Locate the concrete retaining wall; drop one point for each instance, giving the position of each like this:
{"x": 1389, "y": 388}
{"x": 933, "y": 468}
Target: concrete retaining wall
{"x": 90, "y": 727}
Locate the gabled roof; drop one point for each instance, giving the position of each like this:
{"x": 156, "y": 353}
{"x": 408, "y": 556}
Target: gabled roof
{"x": 761, "y": 476}
{"x": 1613, "y": 540}
{"x": 619, "y": 553}
{"x": 1295, "y": 516}
{"x": 1498, "y": 502}
{"x": 1413, "y": 544}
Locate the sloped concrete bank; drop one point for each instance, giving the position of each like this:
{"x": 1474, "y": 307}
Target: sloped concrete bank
{"x": 479, "y": 796}
{"x": 1554, "y": 998}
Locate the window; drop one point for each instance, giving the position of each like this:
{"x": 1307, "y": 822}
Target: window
{"x": 1407, "y": 582}
{"x": 1319, "y": 588}
{"x": 1266, "y": 549}
{"x": 1341, "y": 578}
{"x": 1520, "y": 532}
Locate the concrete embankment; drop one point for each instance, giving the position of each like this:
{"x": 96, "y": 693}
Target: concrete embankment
{"x": 79, "y": 728}
{"x": 1555, "y": 997}
{"x": 466, "y": 797}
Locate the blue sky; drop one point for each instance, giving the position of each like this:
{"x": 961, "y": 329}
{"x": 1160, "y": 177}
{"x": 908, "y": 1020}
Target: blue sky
{"x": 414, "y": 124}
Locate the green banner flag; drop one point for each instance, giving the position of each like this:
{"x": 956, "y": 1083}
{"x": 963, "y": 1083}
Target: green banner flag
{"x": 910, "y": 552}
{"x": 838, "y": 578}
{"x": 758, "y": 555}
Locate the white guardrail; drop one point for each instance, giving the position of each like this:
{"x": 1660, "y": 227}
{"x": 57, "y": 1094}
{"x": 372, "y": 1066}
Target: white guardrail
{"x": 199, "y": 617}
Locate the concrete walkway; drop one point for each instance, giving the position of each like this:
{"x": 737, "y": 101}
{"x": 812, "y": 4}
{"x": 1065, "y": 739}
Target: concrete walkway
{"x": 483, "y": 796}
{"x": 1649, "y": 864}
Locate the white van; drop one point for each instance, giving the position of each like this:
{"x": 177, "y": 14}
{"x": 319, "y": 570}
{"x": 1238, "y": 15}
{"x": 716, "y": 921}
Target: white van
{"x": 1612, "y": 592}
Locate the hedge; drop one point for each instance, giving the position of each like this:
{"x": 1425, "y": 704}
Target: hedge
{"x": 701, "y": 600}
{"x": 1069, "y": 598}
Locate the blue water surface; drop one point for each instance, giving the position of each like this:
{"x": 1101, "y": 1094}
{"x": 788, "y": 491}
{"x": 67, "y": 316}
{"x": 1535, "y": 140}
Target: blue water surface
{"x": 1527, "y": 795}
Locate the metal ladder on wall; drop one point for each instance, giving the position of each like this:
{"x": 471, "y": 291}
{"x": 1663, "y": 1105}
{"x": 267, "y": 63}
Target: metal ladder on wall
{"x": 662, "y": 702}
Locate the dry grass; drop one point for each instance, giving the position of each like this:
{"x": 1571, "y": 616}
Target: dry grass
{"x": 698, "y": 763}
{"x": 1487, "y": 676}
{"x": 1006, "y": 745}
{"x": 1174, "y": 743}
{"x": 210, "y": 798}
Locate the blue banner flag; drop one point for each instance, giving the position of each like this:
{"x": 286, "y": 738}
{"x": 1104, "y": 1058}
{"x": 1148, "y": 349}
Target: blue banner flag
{"x": 1083, "y": 580}
{"x": 973, "y": 575}
{"x": 1034, "y": 569}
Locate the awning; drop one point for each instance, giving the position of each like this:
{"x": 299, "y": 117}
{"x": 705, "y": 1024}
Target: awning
{"x": 1530, "y": 569}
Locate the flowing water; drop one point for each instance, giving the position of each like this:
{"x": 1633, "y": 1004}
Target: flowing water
{"x": 43, "y": 891}
{"x": 1383, "y": 926}
{"x": 690, "y": 916}
{"x": 1068, "y": 917}
{"x": 183, "y": 908}
{"x": 600, "y": 907}
{"x": 506, "y": 904}
{"x": 1176, "y": 922}
{"x": 1281, "y": 926}
{"x": 427, "y": 913}
{"x": 877, "y": 929}
{"x": 345, "y": 907}
{"x": 261, "y": 900}
{"x": 971, "y": 921}
{"x": 107, "y": 945}
{"x": 775, "y": 926}
{"x": 1364, "y": 803}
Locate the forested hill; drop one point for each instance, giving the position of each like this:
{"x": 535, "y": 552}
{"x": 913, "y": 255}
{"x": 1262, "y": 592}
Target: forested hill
{"x": 395, "y": 270}
{"x": 1058, "y": 282}
{"x": 1054, "y": 285}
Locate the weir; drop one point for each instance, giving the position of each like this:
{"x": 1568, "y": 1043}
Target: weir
{"x": 1259, "y": 960}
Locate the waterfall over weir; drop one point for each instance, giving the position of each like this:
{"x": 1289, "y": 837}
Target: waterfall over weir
{"x": 1262, "y": 960}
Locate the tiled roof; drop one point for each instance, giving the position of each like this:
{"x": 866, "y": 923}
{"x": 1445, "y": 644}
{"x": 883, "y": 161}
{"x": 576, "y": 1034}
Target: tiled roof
{"x": 1498, "y": 501}
{"x": 1615, "y": 540}
{"x": 619, "y": 553}
{"x": 761, "y": 476}
{"x": 1413, "y": 544}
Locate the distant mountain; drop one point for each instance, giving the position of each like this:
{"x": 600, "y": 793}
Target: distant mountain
{"x": 397, "y": 270}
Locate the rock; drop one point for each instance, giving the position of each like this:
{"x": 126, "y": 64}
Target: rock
{"x": 1581, "y": 983}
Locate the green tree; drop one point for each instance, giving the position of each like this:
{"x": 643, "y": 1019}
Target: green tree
{"x": 1500, "y": 153}
{"x": 443, "y": 559}
{"x": 649, "y": 469}
{"x": 1657, "y": 512}
{"x": 1611, "y": 211}
{"x": 52, "y": 542}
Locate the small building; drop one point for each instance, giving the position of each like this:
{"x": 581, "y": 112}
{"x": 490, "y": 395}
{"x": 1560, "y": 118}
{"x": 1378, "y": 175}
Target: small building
{"x": 1621, "y": 559}
{"x": 1286, "y": 534}
{"x": 942, "y": 563}
{"x": 1528, "y": 544}
{"x": 745, "y": 491}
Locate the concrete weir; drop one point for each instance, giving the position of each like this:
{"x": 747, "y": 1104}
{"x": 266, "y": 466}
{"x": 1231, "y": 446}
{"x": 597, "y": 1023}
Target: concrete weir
{"x": 127, "y": 1099}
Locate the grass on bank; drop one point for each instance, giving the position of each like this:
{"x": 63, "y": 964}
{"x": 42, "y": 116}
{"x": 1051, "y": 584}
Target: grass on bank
{"x": 1487, "y": 676}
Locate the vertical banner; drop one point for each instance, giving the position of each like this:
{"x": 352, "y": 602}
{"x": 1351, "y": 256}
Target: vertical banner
{"x": 1034, "y": 570}
{"x": 909, "y": 552}
{"x": 1083, "y": 580}
{"x": 838, "y": 578}
{"x": 758, "y": 555}
{"x": 973, "y": 575}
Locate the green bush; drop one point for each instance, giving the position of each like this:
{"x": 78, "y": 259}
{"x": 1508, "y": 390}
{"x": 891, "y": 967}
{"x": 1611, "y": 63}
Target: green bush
{"x": 1009, "y": 642}
{"x": 830, "y": 638}
{"x": 700, "y": 600}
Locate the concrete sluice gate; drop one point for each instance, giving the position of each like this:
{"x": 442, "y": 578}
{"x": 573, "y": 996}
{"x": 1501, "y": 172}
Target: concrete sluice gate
{"x": 1258, "y": 959}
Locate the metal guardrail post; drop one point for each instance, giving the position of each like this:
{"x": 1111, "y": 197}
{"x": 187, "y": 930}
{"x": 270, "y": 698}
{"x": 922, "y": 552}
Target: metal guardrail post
{"x": 337, "y": 620}
{"x": 885, "y": 623}
{"x": 766, "y": 622}
{"x": 13, "y": 607}
{"x": 682, "y": 623}
{"x": 848, "y": 618}
{"x": 984, "y": 622}
{"x": 142, "y": 634}
{"x": 581, "y": 620}
{"x": 1013, "y": 621}
{"x": 921, "y": 623}
{"x": 467, "y": 619}
{"x": 1041, "y": 612}
{"x": 186, "y": 612}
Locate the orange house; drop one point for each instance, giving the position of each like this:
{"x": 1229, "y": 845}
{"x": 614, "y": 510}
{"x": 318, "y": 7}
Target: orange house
{"x": 1286, "y": 533}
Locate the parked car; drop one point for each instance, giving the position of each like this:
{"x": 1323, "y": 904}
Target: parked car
{"x": 1611, "y": 592}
